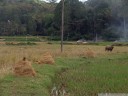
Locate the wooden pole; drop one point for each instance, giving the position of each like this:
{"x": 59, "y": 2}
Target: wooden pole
{"x": 62, "y": 25}
{"x": 124, "y": 35}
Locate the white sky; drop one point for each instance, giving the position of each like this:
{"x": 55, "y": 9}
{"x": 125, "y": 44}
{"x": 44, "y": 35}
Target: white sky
{"x": 79, "y": 0}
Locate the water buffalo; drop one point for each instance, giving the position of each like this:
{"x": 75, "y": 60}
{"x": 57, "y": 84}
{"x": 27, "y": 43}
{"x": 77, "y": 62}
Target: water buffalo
{"x": 109, "y": 48}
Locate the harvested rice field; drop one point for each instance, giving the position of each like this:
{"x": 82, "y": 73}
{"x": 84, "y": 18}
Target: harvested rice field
{"x": 81, "y": 70}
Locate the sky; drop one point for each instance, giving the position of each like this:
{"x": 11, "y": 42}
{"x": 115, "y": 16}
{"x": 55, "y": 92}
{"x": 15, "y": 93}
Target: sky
{"x": 79, "y": 0}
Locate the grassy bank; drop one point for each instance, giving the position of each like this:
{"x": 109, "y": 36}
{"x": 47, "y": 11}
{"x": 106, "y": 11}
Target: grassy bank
{"x": 88, "y": 77}
{"x": 29, "y": 86}
{"x": 82, "y": 77}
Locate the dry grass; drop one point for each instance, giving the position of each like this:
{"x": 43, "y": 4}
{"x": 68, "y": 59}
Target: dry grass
{"x": 24, "y": 68}
{"x": 46, "y": 59}
{"x": 4, "y": 71}
{"x": 9, "y": 55}
{"x": 90, "y": 53}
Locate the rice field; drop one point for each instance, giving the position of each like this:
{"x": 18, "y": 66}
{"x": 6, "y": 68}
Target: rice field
{"x": 86, "y": 70}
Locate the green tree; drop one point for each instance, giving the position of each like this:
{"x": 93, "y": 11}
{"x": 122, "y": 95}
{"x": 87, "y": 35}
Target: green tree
{"x": 73, "y": 14}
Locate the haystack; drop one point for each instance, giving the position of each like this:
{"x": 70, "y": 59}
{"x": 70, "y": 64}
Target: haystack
{"x": 46, "y": 59}
{"x": 24, "y": 68}
{"x": 90, "y": 53}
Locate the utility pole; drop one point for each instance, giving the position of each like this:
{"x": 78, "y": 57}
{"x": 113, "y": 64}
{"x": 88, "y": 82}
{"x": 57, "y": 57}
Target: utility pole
{"x": 62, "y": 26}
{"x": 94, "y": 26}
{"x": 124, "y": 25}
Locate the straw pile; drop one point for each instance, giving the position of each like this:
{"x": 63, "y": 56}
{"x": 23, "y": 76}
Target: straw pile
{"x": 46, "y": 59}
{"x": 90, "y": 54}
{"x": 24, "y": 68}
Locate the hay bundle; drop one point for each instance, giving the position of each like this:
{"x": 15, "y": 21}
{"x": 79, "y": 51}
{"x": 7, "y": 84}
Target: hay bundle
{"x": 46, "y": 59}
{"x": 90, "y": 54}
{"x": 24, "y": 68}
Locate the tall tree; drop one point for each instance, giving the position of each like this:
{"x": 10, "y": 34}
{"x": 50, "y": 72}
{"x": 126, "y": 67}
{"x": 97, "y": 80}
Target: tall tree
{"x": 73, "y": 13}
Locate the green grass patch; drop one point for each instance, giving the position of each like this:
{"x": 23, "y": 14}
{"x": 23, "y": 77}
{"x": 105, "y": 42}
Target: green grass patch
{"x": 23, "y": 38}
{"x": 33, "y": 39}
{"x": 88, "y": 77}
{"x": 82, "y": 77}
{"x": 29, "y": 86}
{"x": 90, "y": 43}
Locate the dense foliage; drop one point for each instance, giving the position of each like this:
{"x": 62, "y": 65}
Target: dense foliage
{"x": 22, "y": 17}
{"x": 91, "y": 20}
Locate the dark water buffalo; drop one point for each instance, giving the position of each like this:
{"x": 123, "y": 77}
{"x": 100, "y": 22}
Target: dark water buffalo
{"x": 109, "y": 48}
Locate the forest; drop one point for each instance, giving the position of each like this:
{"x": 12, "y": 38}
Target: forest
{"x": 91, "y": 20}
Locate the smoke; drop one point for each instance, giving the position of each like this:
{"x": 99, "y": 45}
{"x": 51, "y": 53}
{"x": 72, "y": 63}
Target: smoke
{"x": 119, "y": 11}
{"x": 124, "y": 36}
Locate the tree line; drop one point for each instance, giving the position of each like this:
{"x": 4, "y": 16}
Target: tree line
{"x": 90, "y": 20}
